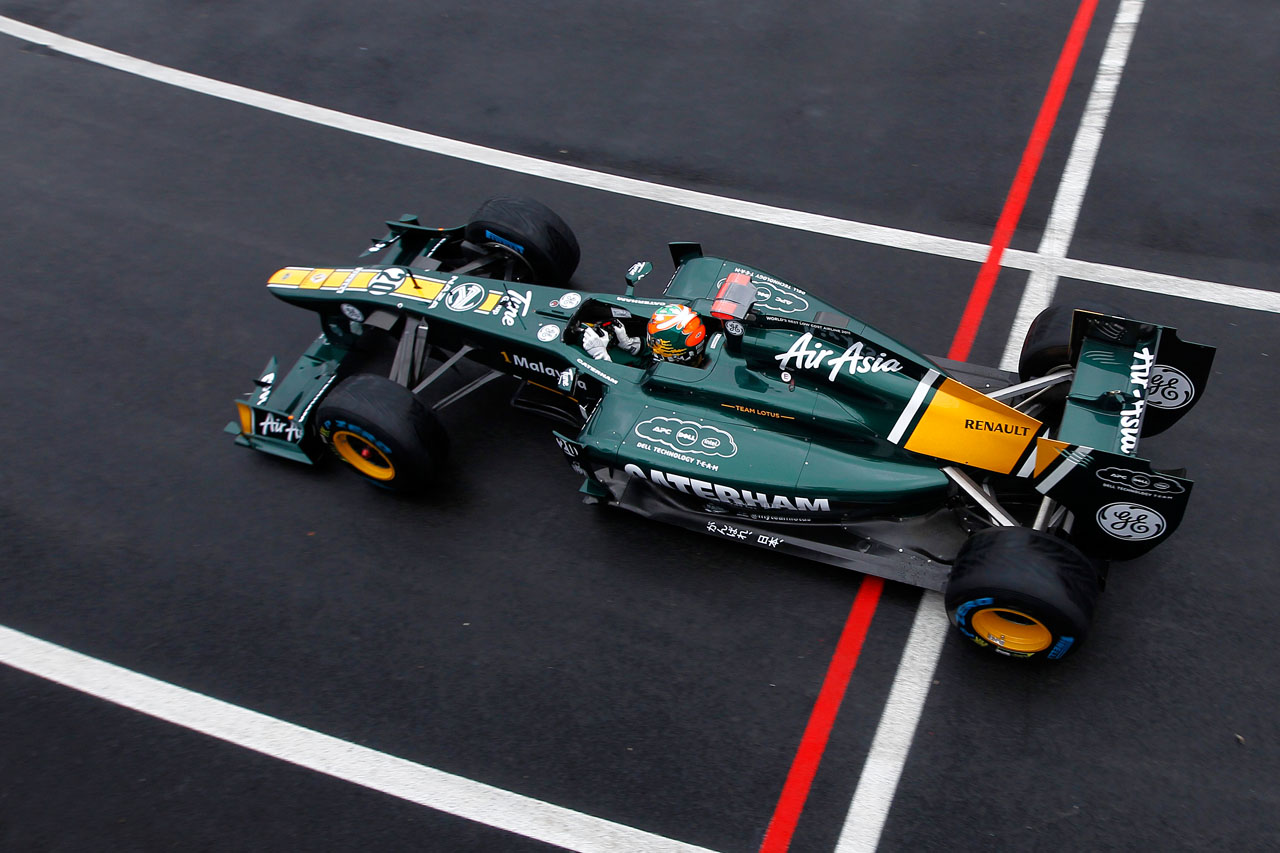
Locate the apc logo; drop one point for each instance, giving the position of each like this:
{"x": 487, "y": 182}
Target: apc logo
{"x": 688, "y": 436}
{"x": 1141, "y": 482}
{"x": 780, "y": 300}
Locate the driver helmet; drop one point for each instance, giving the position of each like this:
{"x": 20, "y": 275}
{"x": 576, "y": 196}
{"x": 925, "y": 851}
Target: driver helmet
{"x": 676, "y": 333}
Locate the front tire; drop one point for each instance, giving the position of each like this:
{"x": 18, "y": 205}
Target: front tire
{"x": 383, "y": 432}
{"x": 532, "y": 231}
{"x": 1023, "y": 593}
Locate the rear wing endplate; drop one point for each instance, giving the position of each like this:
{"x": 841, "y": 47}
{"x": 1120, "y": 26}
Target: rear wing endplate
{"x": 1132, "y": 380}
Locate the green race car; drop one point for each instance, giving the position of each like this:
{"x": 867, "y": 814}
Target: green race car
{"x": 774, "y": 419}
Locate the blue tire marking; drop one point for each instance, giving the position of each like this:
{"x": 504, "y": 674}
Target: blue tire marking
{"x": 504, "y": 241}
{"x": 962, "y": 615}
{"x": 362, "y": 432}
{"x": 1061, "y": 647}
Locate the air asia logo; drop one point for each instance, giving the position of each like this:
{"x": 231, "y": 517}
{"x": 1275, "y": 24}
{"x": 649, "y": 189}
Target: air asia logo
{"x": 810, "y": 354}
{"x": 266, "y": 381}
{"x": 1140, "y": 481}
{"x": 1131, "y": 417}
{"x": 1170, "y": 388}
{"x": 1133, "y": 522}
{"x": 465, "y": 297}
{"x": 280, "y": 428}
{"x": 688, "y": 436}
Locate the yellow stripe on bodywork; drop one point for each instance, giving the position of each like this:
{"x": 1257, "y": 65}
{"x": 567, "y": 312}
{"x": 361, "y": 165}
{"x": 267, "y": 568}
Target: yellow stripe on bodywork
{"x": 490, "y": 301}
{"x": 426, "y": 288}
{"x": 317, "y": 278}
{"x": 966, "y": 426}
{"x": 1048, "y": 450}
{"x": 360, "y": 281}
{"x": 290, "y": 275}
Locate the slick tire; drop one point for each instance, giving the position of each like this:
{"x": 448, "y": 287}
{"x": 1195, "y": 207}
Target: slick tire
{"x": 531, "y": 230}
{"x": 1022, "y": 593}
{"x": 383, "y": 432}
{"x": 1048, "y": 342}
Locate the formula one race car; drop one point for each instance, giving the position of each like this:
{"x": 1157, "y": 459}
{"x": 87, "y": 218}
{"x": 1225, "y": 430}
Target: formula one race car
{"x": 796, "y": 428}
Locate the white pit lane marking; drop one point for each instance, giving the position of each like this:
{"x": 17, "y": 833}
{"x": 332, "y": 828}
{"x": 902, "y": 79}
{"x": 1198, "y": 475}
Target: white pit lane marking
{"x": 329, "y": 755}
{"x": 878, "y": 783}
{"x": 896, "y": 731}
{"x": 1058, "y": 231}
{"x": 1035, "y": 262}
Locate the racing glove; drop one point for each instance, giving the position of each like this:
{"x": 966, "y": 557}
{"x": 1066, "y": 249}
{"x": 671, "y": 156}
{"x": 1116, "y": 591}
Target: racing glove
{"x": 628, "y": 343}
{"x": 596, "y": 342}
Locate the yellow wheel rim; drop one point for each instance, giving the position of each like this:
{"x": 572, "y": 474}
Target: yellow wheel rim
{"x": 362, "y": 455}
{"x": 1011, "y": 629}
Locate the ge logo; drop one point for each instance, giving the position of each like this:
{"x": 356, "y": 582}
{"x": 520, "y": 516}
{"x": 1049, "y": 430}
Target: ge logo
{"x": 1133, "y": 522}
{"x": 1170, "y": 388}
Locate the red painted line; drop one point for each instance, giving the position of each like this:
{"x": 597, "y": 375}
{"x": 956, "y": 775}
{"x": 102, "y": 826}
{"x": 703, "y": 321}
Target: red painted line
{"x": 804, "y": 767}
{"x": 814, "y": 742}
{"x": 1017, "y": 198}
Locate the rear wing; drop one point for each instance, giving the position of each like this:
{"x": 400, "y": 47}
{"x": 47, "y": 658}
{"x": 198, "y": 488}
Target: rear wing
{"x": 1131, "y": 380}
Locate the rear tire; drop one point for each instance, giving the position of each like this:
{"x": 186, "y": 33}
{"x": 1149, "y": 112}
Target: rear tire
{"x": 532, "y": 231}
{"x": 1023, "y": 593}
{"x": 383, "y": 432}
{"x": 1048, "y": 342}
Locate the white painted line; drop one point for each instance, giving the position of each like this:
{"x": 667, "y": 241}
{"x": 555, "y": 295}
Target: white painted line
{"x": 578, "y": 176}
{"x": 913, "y": 406}
{"x": 897, "y": 728}
{"x": 946, "y": 247}
{"x": 329, "y": 755}
{"x": 1061, "y": 226}
{"x": 896, "y": 731}
{"x": 878, "y": 783}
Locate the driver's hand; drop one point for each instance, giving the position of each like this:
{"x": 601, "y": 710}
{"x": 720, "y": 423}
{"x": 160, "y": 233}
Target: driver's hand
{"x": 596, "y": 342}
{"x": 628, "y": 343}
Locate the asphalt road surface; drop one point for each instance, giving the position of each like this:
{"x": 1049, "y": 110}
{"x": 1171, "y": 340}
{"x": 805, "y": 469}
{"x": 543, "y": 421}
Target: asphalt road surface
{"x": 500, "y": 631}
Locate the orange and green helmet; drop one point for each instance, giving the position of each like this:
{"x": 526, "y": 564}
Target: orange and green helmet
{"x": 676, "y": 333}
